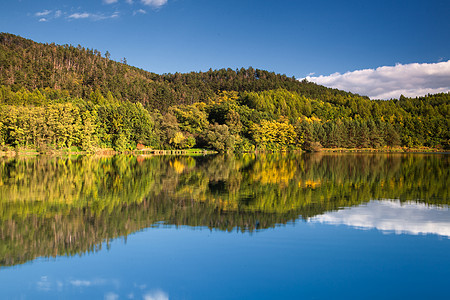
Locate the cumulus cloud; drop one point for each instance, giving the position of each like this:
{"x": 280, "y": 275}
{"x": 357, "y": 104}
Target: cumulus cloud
{"x": 139, "y": 11}
{"x": 129, "y": 1}
{"x": 94, "y": 17}
{"x": 154, "y": 3}
{"x": 43, "y": 13}
{"x": 109, "y": 1}
{"x": 48, "y": 15}
{"x": 79, "y": 16}
{"x": 388, "y": 82}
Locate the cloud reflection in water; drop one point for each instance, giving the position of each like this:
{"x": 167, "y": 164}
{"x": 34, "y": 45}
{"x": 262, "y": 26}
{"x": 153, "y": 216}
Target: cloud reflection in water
{"x": 392, "y": 216}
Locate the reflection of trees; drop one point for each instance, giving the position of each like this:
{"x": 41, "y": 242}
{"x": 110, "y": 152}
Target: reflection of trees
{"x": 65, "y": 206}
{"x": 313, "y": 184}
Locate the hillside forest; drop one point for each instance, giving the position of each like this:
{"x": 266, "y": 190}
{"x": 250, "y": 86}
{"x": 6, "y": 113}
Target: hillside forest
{"x": 62, "y": 96}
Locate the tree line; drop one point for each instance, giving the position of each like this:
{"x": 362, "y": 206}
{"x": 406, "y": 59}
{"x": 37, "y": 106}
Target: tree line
{"x": 271, "y": 120}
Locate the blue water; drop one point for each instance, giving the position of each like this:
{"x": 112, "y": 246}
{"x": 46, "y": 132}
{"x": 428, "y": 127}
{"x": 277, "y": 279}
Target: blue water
{"x": 297, "y": 261}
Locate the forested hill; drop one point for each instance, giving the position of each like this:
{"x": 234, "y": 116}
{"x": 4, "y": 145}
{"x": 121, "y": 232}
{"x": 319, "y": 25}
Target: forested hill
{"x": 64, "y": 96}
{"x": 25, "y": 63}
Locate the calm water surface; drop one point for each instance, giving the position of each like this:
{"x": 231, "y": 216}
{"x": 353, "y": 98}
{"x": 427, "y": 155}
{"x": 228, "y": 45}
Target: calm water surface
{"x": 279, "y": 226}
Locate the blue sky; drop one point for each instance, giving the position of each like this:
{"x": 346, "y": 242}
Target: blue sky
{"x": 296, "y": 38}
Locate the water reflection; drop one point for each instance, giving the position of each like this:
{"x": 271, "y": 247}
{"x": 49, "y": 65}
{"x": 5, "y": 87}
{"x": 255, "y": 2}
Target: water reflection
{"x": 110, "y": 287}
{"x": 66, "y": 206}
{"x": 392, "y": 216}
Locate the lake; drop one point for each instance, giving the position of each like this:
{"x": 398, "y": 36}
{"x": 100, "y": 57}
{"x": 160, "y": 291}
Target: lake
{"x": 265, "y": 226}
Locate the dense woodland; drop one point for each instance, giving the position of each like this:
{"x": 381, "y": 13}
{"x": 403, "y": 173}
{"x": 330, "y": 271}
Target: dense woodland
{"x": 55, "y": 97}
{"x": 52, "y": 206}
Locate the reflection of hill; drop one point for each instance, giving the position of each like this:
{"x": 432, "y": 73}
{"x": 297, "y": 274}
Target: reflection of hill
{"x": 81, "y": 230}
{"x": 55, "y": 206}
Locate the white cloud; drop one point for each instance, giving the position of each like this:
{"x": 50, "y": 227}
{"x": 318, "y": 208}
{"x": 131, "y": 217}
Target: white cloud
{"x": 139, "y": 11}
{"x": 129, "y": 1}
{"x": 109, "y": 1}
{"x": 43, "y": 13}
{"x": 79, "y": 16}
{"x": 111, "y": 296}
{"x": 48, "y": 15}
{"x": 388, "y": 82}
{"x": 154, "y": 3}
{"x": 392, "y": 216}
{"x": 95, "y": 17}
{"x": 156, "y": 295}
{"x": 80, "y": 282}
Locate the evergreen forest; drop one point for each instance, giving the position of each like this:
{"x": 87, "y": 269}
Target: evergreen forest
{"x": 63, "y": 96}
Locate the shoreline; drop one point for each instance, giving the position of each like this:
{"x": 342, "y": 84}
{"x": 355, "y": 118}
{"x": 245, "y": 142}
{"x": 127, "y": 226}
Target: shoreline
{"x": 387, "y": 150}
{"x": 155, "y": 152}
{"x": 105, "y": 152}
